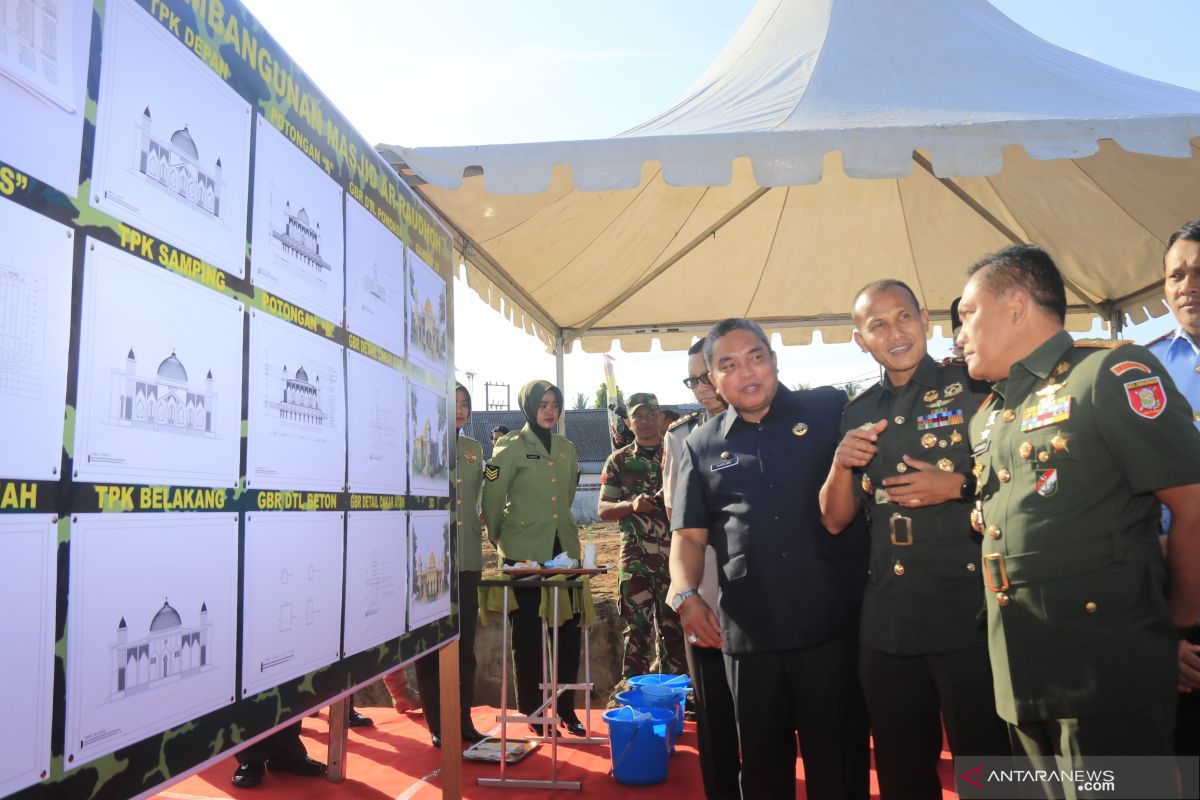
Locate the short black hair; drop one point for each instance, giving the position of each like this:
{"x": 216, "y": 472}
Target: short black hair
{"x": 1026, "y": 267}
{"x": 883, "y": 285}
{"x": 1190, "y": 232}
{"x": 955, "y": 319}
{"x": 698, "y": 347}
{"x": 500, "y": 429}
{"x": 727, "y": 326}
{"x": 670, "y": 414}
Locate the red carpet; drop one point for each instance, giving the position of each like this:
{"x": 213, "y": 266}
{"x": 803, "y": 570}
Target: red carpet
{"x": 395, "y": 760}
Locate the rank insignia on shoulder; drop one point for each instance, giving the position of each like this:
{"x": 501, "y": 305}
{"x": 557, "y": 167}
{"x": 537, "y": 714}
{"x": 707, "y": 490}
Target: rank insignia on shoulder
{"x": 930, "y": 396}
{"x": 1128, "y": 366}
{"x": 491, "y": 472}
{"x": 684, "y": 420}
{"x": 953, "y": 389}
{"x": 1147, "y": 397}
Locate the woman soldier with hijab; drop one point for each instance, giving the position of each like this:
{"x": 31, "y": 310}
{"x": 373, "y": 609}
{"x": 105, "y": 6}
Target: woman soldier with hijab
{"x": 529, "y": 485}
{"x": 470, "y": 569}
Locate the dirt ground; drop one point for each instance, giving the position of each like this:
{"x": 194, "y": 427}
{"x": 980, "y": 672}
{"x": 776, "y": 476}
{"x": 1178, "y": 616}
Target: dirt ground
{"x": 607, "y": 537}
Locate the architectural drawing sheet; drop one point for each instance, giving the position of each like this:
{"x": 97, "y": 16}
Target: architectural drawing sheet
{"x": 151, "y": 626}
{"x": 429, "y": 448}
{"x": 429, "y": 598}
{"x": 297, "y": 244}
{"x": 376, "y": 578}
{"x": 172, "y": 150}
{"x": 35, "y": 323}
{"x": 160, "y": 375}
{"x": 376, "y": 403}
{"x": 374, "y": 280}
{"x": 292, "y": 607}
{"x": 27, "y": 658}
{"x": 427, "y": 342}
{"x": 296, "y": 419}
{"x": 43, "y": 83}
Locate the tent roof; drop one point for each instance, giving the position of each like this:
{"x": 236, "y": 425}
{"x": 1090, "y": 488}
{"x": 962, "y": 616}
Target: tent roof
{"x": 831, "y": 142}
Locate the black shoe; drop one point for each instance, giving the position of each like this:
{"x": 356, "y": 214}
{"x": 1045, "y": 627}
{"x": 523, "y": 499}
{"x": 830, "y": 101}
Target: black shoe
{"x": 469, "y": 734}
{"x": 436, "y": 738}
{"x": 248, "y": 775}
{"x": 574, "y": 727}
{"x": 304, "y": 767}
{"x": 357, "y": 720}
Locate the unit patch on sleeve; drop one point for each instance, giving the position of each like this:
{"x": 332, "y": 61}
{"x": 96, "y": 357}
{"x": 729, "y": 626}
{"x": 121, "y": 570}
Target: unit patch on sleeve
{"x": 1147, "y": 397}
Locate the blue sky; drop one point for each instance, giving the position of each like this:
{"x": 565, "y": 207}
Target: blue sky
{"x": 475, "y": 72}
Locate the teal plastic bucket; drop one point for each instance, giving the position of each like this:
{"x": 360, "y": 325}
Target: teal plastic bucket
{"x": 635, "y": 698}
{"x": 639, "y": 740}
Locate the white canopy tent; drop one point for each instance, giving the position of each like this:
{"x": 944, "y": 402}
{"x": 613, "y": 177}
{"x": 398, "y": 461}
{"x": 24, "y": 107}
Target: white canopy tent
{"x": 830, "y": 143}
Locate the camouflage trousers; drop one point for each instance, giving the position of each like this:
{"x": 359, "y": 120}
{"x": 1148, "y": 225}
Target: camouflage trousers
{"x": 643, "y": 583}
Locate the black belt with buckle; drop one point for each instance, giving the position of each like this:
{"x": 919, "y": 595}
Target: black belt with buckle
{"x": 898, "y": 523}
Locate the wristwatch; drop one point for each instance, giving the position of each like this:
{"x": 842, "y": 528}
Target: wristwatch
{"x": 967, "y": 492}
{"x": 681, "y": 597}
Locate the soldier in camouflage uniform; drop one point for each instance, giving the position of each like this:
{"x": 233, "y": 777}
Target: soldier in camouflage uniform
{"x": 631, "y": 491}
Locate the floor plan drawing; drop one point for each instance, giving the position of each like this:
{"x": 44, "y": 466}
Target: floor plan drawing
{"x": 172, "y": 151}
{"x": 292, "y": 607}
{"x": 426, "y": 312}
{"x": 376, "y": 578}
{"x": 429, "y": 460}
{"x": 297, "y": 240}
{"x": 160, "y": 373}
{"x": 374, "y": 280}
{"x": 377, "y": 401}
{"x": 296, "y": 426}
{"x": 29, "y": 545}
{"x": 429, "y": 597}
{"x": 35, "y": 326}
{"x": 149, "y": 645}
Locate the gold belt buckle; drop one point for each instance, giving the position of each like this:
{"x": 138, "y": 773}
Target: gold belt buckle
{"x": 998, "y": 560}
{"x": 893, "y": 524}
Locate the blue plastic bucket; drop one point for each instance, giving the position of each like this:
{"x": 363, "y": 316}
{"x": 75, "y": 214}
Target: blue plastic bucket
{"x": 683, "y": 683}
{"x": 635, "y": 698}
{"x": 639, "y": 743}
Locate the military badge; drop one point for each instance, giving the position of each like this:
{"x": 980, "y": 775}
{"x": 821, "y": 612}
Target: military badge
{"x": 1009, "y": 415}
{"x": 1043, "y": 456}
{"x": 1147, "y": 397}
{"x": 1060, "y": 368}
{"x": 1047, "y": 481}
{"x": 1059, "y": 443}
{"x": 955, "y": 438}
{"x": 472, "y": 458}
{"x": 1025, "y": 450}
{"x": 1049, "y": 411}
{"x": 953, "y": 389}
{"x": 866, "y": 483}
{"x": 491, "y": 472}
{"x": 930, "y": 396}
{"x": 928, "y": 441}
{"x": 945, "y": 401}
{"x": 799, "y": 429}
{"x": 945, "y": 465}
{"x": 943, "y": 443}
{"x": 977, "y": 519}
{"x": 899, "y": 420}
{"x": 1128, "y": 366}
{"x": 902, "y": 468}
{"x": 940, "y": 419}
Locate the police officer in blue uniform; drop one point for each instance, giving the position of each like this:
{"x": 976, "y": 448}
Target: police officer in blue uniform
{"x": 790, "y": 593}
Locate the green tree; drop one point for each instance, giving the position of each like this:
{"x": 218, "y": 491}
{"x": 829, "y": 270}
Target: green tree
{"x": 602, "y": 393}
{"x": 580, "y": 401}
{"x": 802, "y": 387}
{"x": 851, "y": 388}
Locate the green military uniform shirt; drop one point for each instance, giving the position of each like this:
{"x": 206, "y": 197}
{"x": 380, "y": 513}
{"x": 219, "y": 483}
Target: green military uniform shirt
{"x": 527, "y": 496}
{"x": 629, "y": 472}
{"x": 924, "y": 594}
{"x": 470, "y": 489}
{"x": 1069, "y": 450}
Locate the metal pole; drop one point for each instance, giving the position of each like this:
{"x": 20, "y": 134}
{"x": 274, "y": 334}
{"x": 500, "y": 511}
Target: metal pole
{"x": 559, "y": 351}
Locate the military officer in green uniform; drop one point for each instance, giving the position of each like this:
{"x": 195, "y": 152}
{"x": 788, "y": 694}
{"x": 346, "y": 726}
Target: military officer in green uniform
{"x": 631, "y": 493}
{"x": 1074, "y": 449}
{"x": 529, "y": 485}
{"x": 470, "y": 570}
{"x": 904, "y": 456}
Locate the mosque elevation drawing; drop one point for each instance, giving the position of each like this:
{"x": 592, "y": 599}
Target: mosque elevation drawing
{"x": 151, "y": 625}
{"x": 374, "y": 280}
{"x": 296, "y": 226}
{"x": 172, "y": 147}
{"x": 429, "y": 597}
{"x": 160, "y": 373}
{"x": 427, "y": 343}
{"x": 376, "y": 578}
{"x": 429, "y": 448}
{"x": 377, "y": 398}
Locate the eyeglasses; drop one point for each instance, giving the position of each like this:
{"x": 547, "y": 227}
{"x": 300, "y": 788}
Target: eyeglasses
{"x": 692, "y": 381}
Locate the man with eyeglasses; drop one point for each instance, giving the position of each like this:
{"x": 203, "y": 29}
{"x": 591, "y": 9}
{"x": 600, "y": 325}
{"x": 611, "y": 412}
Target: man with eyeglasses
{"x": 716, "y": 725}
{"x": 631, "y": 493}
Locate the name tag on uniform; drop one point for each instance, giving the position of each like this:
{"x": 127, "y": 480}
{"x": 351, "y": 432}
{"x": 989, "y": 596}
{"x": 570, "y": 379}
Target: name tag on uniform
{"x": 723, "y": 463}
{"x": 533, "y": 456}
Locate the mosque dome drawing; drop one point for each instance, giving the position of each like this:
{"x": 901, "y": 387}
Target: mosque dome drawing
{"x": 172, "y": 369}
{"x": 166, "y": 619}
{"x": 184, "y": 143}
{"x": 301, "y": 375}
{"x": 302, "y": 215}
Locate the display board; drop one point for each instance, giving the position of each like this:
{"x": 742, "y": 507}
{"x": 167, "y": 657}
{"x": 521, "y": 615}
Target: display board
{"x": 225, "y": 361}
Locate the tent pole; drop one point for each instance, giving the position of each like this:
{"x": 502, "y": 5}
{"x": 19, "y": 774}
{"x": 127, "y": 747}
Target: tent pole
{"x": 1116, "y": 322}
{"x": 560, "y": 349}
{"x": 1000, "y": 227}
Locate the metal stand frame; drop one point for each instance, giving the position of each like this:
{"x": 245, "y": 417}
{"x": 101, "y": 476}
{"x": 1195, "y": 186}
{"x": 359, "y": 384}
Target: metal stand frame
{"x": 547, "y": 713}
